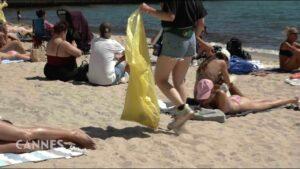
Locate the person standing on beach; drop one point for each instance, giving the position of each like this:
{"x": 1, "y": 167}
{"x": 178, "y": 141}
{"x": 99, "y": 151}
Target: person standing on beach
{"x": 182, "y": 22}
{"x": 19, "y": 16}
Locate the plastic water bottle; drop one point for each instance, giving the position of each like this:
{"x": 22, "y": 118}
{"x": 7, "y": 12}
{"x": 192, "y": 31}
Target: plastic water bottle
{"x": 224, "y": 87}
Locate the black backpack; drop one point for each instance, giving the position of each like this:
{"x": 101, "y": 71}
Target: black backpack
{"x": 234, "y": 46}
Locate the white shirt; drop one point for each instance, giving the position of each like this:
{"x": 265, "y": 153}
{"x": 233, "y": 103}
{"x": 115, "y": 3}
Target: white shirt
{"x": 102, "y": 61}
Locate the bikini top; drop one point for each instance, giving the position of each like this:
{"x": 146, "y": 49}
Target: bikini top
{"x": 286, "y": 53}
{"x": 60, "y": 61}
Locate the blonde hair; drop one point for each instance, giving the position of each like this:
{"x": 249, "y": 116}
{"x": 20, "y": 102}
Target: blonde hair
{"x": 290, "y": 30}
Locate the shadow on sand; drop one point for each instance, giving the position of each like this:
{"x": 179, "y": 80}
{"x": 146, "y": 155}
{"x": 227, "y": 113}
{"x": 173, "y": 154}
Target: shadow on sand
{"x": 126, "y": 133}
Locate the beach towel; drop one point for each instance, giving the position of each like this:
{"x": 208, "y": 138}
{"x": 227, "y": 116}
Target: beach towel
{"x": 6, "y": 61}
{"x": 240, "y": 66}
{"x": 141, "y": 101}
{"x": 295, "y": 76}
{"x": 200, "y": 114}
{"x": 293, "y": 82}
{"x": 37, "y": 156}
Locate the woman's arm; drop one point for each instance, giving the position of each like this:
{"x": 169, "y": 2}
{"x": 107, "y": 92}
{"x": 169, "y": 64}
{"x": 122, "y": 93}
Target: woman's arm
{"x": 297, "y": 45}
{"x": 164, "y": 16}
{"x": 71, "y": 49}
{"x": 224, "y": 71}
{"x": 203, "y": 45}
{"x": 288, "y": 46}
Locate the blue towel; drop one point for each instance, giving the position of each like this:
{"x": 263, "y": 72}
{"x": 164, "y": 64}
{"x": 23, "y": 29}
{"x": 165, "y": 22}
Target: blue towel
{"x": 240, "y": 66}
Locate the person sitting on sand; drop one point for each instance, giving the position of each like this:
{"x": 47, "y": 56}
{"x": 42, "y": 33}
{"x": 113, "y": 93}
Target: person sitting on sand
{"x": 210, "y": 96}
{"x": 41, "y": 14}
{"x": 215, "y": 68}
{"x": 10, "y": 135}
{"x": 289, "y": 55}
{"x": 107, "y": 62}
{"x": 61, "y": 56}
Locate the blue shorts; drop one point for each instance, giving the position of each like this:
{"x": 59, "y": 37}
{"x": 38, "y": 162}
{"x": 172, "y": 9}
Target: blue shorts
{"x": 120, "y": 72}
{"x": 178, "y": 47}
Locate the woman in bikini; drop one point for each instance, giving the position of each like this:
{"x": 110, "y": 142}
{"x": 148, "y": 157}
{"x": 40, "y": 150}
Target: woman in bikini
{"x": 215, "y": 68}
{"x": 10, "y": 47}
{"x": 61, "y": 57}
{"x": 289, "y": 52}
{"x": 212, "y": 97}
{"x": 11, "y": 135}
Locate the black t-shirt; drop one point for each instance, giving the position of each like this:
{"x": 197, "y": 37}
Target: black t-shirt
{"x": 187, "y": 12}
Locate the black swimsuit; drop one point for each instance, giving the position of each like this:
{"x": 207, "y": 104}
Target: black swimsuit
{"x": 63, "y": 68}
{"x": 286, "y": 53}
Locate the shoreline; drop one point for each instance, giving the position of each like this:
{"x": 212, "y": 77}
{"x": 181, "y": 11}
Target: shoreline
{"x": 41, "y": 3}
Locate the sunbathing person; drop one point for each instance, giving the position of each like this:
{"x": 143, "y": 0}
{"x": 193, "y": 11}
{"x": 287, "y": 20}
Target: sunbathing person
{"x": 289, "y": 55}
{"x": 107, "y": 62}
{"x": 209, "y": 96}
{"x": 10, "y": 136}
{"x": 11, "y": 48}
{"x": 215, "y": 68}
{"x": 13, "y": 55}
{"x": 61, "y": 56}
{"x": 8, "y": 42}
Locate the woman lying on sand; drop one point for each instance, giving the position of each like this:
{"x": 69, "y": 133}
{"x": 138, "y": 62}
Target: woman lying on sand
{"x": 11, "y": 135}
{"x": 10, "y": 47}
{"x": 209, "y": 96}
{"x": 215, "y": 68}
{"x": 289, "y": 55}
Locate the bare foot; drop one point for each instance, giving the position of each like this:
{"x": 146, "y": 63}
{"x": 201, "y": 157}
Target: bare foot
{"x": 81, "y": 138}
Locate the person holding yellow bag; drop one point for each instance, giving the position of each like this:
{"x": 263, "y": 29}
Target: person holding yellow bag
{"x": 182, "y": 22}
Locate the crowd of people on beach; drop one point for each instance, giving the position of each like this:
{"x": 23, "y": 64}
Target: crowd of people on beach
{"x": 183, "y": 23}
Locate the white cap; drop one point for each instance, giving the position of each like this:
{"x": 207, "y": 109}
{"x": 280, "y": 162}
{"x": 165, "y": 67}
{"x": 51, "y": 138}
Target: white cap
{"x": 226, "y": 53}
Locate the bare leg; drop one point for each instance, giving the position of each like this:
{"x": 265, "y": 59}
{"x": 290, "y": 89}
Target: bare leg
{"x": 228, "y": 106}
{"x": 178, "y": 75}
{"x": 164, "y": 67}
{"x": 222, "y": 101}
{"x": 23, "y": 56}
{"x": 264, "y": 105}
{"x": 13, "y": 46}
{"x": 20, "y": 148}
{"x": 293, "y": 63}
{"x": 12, "y": 133}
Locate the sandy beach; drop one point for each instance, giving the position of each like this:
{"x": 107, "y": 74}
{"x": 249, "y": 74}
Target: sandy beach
{"x": 267, "y": 139}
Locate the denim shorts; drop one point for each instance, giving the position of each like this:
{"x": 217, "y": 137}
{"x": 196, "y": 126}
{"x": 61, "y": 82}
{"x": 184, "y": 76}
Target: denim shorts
{"x": 120, "y": 72}
{"x": 178, "y": 47}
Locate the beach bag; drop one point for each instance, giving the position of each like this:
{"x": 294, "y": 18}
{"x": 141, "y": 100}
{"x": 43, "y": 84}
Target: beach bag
{"x": 141, "y": 101}
{"x": 240, "y": 66}
{"x": 234, "y": 46}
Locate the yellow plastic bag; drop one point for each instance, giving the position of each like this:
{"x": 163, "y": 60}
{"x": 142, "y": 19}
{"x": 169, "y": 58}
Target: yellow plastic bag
{"x": 141, "y": 101}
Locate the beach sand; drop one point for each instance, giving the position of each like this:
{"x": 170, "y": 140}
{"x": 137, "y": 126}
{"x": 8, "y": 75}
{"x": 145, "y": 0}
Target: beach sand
{"x": 266, "y": 139}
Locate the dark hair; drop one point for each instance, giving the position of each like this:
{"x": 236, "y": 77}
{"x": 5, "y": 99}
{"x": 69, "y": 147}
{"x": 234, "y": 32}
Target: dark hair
{"x": 60, "y": 27}
{"x": 105, "y": 30}
{"x": 40, "y": 13}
